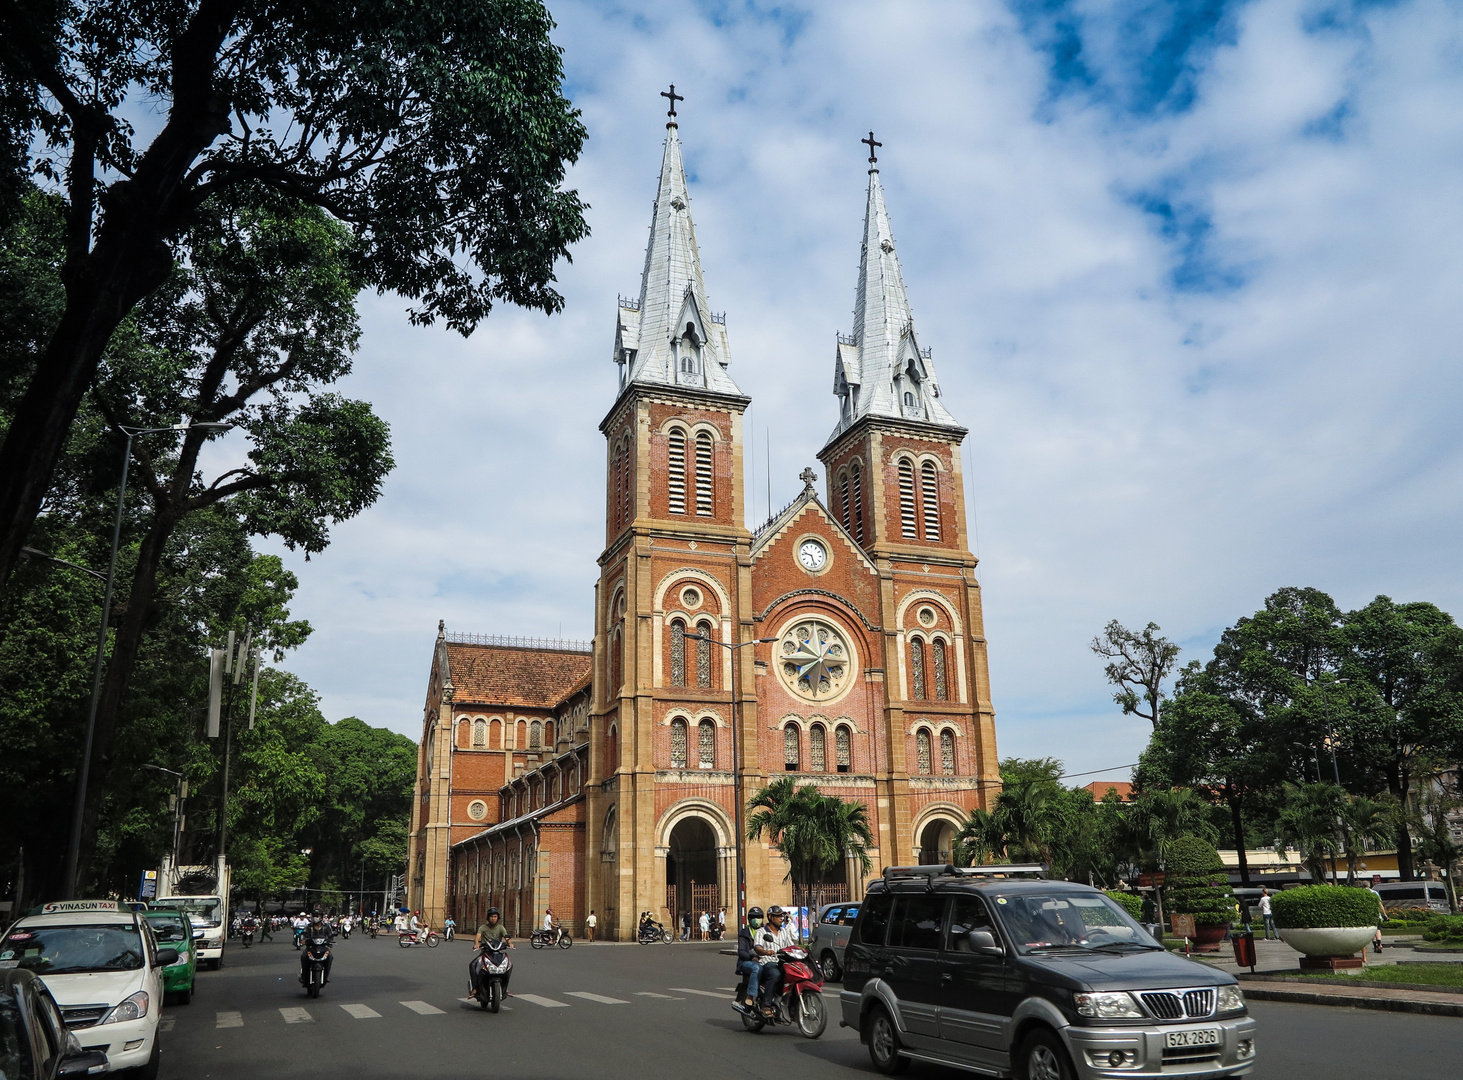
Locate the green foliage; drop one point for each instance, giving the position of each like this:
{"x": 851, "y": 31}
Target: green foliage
{"x": 1196, "y": 884}
{"x": 1193, "y": 857}
{"x": 1138, "y": 664}
{"x": 1324, "y": 906}
{"x": 812, "y": 830}
{"x": 1444, "y": 928}
{"x": 1132, "y": 903}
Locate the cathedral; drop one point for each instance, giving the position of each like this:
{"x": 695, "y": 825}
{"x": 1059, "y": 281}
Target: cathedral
{"x": 839, "y": 643}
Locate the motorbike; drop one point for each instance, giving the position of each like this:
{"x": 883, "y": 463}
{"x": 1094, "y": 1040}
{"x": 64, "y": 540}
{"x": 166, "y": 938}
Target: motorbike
{"x": 371, "y": 927}
{"x": 653, "y": 933}
{"x": 799, "y": 1001}
{"x": 246, "y": 935}
{"x": 488, "y": 975}
{"x": 449, "y": 931}
{"x": 345, "y": 930}
{"x": 408, "y": 938}
{"x": 300, "y": 938}
{"x": 542, "y": 939}
{"x": 317, "y": 951}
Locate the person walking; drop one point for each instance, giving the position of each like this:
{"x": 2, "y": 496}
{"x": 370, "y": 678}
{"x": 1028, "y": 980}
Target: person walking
{"x": 685, "y": 926}
{"x": 1267, "y": 915}
{"x": 589, "y": 925}
{"x": 705, "y": 926}
{"x": 1381, "y": 912}
{"x": 721, "y": 925}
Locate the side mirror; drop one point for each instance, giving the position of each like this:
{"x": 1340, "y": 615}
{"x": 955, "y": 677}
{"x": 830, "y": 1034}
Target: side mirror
{"x": 983, "y": 941}
{"x": 86, "y": 1063}
{"x": 166, "y": 957}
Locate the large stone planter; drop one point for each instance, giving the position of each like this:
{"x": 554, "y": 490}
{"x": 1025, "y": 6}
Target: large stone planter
{"x": 1207, "y": 936}
{"x": 1326, "y": 946}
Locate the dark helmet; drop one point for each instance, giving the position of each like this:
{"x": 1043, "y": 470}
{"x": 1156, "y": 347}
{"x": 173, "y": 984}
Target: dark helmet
{"x": 754, "y": 913}
{"x": 775, "y": 909}
{"x": 491, "y": 912}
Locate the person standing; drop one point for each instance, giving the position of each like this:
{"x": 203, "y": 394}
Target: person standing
{"x": 589, "y": 925}
{"x": 1267, "y": 915}
{"x": 1381, "y": 912}
{"x": 705, "y": 926}
{"x": 685, "y": 926}
{"x": 721, "y": 924}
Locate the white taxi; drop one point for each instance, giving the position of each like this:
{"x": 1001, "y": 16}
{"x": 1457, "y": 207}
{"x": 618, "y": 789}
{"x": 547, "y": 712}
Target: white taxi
{"x": 105, "y": 970}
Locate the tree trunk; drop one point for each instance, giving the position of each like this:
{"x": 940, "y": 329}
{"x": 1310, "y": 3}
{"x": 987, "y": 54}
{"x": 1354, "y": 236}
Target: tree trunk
{"x": 1399, "y": 782}
{"x": 1239, "y": 837}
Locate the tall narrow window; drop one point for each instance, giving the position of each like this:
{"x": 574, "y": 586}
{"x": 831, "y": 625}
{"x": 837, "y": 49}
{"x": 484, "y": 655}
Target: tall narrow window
{"x": 678, "y": 743}
{"x": 703, "y": 654}
{"x": 678, "y": 653}
{"x": 677, "y": 484}
{"x": 843, "y": 494}
{"x": 947, "y": 753}
{"x": 615, "y": 661}
{"x": 858, "y": 503}
{"x": 480, "y": 733}
{"x": 706, "y": 744}
{"x": 922, "y": 743}
{"x": 790, "y": 748}
{"x": 705, "y": 476}
{"x": 817, "y": 751}
{"x": 917, "y": 668}
{"x": 942, "y": 685}
{"x": 535, "y": 735}
{"x": 906, "y": 500}
{"x": 929, "y": 489}
{"x": 495, "y": 735}
{"x": 844, "y": 749}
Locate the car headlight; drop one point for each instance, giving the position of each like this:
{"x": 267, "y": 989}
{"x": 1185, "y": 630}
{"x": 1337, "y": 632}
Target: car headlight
{"x": 1231, "y": 999}
{"x": 1109, "y": 1004}
{"x": 132, "y": 1008}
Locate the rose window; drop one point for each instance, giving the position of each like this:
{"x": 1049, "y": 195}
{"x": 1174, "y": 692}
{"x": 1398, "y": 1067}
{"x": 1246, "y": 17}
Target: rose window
{"x": 814, "y": 660}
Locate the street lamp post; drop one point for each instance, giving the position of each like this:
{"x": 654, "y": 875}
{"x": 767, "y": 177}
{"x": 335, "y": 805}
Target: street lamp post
{"x": 736, "y": 763}
{"x": 178, "y": 799}
{"x": 73, "y": 850}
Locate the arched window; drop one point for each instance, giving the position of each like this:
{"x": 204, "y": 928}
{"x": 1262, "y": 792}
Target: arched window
{"x": 615, "y": 664}
{"x": 858, "y": 502}
{"x": 706, "y": 744}
{"x": 922, "y": 743}
{"x": 520, "y": 735}
{"x": 906, "y": 500}
{"x": 678, "y": 743}
{"x": 844, "y": 749}
{"x": 790, "y": 748}
{"x": 495, "y": 735}
{"x": 909, "y": 399}
{"x": 705, "y": 476}
{"x": 535, "y": 735}
{"x": 549, "y": 734}
{"x": 947, "y": 753}
{"x": 942, "y": 685}
{"x": 464, "y": 733}
{"x": 678, "y": 653}
{"x": 917, "y": 668}
{"x": 677, "y": 484}
{"x": 612, "y": 750}
{"x": 703, "y": 654}
{"x": 480, "y": 733}
{"x": 929, "y": 489}
{"x": 817, "y": 750}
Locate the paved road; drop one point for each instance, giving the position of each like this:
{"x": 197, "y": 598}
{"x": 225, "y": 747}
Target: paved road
{"x": 623, "y": 1012}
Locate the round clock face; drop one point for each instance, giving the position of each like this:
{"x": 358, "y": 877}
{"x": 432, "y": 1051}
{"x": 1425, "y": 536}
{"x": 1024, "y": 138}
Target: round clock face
{"x": 812, "y": 555}
{"x": 815, "y": 660}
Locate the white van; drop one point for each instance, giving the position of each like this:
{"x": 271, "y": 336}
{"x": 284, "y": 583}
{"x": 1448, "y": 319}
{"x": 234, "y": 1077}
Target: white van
{"x": 1430, "y": 895}
{"x": 105, "y": 970}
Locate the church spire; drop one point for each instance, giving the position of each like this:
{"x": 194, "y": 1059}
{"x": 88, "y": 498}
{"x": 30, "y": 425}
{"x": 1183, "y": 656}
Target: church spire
{"x": 671, "y": 336}
{"x": 880, "y": 369}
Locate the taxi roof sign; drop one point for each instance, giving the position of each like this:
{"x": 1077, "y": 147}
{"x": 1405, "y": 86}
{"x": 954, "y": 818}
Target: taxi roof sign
{"x": 59, "y": 907}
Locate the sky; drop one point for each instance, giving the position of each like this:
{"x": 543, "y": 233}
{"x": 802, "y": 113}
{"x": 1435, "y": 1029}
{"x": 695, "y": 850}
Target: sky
{"x": 1190, "y": 271}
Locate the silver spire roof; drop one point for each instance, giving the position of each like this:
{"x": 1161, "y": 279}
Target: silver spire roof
{"x": 880, "y": 370}
{"x": 671, "y": 337}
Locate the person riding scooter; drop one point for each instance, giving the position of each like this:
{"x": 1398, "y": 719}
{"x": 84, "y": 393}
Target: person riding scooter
{"x": 747, "y": 962}
{"x": 491, "y": 930}
{"x": 316, "y": 928}
{"x": 777, "y": 935}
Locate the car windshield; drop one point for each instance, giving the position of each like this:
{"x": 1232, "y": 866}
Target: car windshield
{"x": 65, "y": 950}
{"x": 202, "y": 910}
{"x": 14, "y": 1045}
{"x": 1089, "y": 921}
{"x": 168, "y": 927}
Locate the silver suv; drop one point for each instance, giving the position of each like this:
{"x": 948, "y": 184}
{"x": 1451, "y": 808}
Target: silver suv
{"x": 830, "y": 936}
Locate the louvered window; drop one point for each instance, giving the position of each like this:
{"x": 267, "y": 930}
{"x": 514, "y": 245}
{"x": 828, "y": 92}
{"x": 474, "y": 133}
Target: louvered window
{"x": 942, "y": 688}
{"x": 922, "y": 743}
{"x": 480, "y": 733}
{"x": 790, "y": 748}
{"x": 816, "y": 751}
{"x": 858, "y": 503}
{"x": 677, "y": 483}
{"x": 705, "y": 477}
{"x": 843, "y": 492}
{"x": 917, "y": 668}
{"x": 703, "y": 654}
{"x": 845, "y": 750}
{"x": 706, "y": 744}
{"x": 678, "y": 653}
{"x": 947, "y": 753}
{"x": 678, "y": 744}
{"x": 930, "y": 493}
{"x": 906, "y": 500}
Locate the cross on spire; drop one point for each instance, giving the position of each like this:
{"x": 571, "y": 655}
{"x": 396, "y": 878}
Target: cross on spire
{"x": 675, "y": 97}
{"x": 869, "y": 142}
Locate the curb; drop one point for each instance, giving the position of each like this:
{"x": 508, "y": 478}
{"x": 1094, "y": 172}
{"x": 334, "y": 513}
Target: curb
{"x": 1438, "y": 1005}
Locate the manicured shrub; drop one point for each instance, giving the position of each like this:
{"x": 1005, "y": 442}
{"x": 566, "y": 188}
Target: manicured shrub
{"x": 1324, "y": 905}
{"x": 1446, "y": 928}
{"x": 1196, "y": 882}
{"x": 1132, "y": 903}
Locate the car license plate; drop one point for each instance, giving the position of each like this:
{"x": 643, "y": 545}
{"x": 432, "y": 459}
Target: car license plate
{"x": 1203, "y": 1037}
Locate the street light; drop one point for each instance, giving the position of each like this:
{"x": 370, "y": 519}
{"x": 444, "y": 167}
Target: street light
{"x": 73, "y": 850}
{"x": 177, "y": 805}
{"x": 736, "y": 764}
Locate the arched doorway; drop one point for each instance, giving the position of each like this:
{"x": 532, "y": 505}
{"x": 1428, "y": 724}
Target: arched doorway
{"x": 937, "y": 843}
{"x": 691, "y": 870}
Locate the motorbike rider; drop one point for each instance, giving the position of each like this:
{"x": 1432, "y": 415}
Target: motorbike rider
{"x": 490, "y": 930}
{"x": 551, "y": 925}
{"x": 314, "y": 928}
{"x": 748, "y": 963}
{"x": 777, "y": 935}
{"x": 300, "y": 923}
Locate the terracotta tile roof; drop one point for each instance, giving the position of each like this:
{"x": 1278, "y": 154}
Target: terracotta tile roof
{"x": 1100, "y": 788}
{"x": 503, "y": 675}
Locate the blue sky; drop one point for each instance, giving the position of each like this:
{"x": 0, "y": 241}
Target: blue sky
{"x": 1191, "y": 273}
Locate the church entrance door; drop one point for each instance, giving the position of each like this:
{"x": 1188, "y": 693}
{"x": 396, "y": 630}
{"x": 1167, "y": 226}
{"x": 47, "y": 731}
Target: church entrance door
{"x": 691, "y": 870}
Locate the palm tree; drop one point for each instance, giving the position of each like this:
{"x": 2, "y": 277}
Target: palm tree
{"x": 1365, "y": 820}
{"x": 813, "y": 831}
{"x": 1310, "y": 819}
{"x": 1157, "y": 818}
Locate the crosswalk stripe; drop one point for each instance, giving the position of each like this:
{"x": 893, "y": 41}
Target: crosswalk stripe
{"x": 647, "y": 993}
{"x": 546, "y": 1002}
{"x": 595, "y": 997}
{"x": 362, "y": 1012}
{"x": 166, "y": 1023}
{"x": 228, "y": 1019}
{"x": 728, "y": 989}
{"x": 423, "y": 1008}
{"x": 296, "y": 1016}
{"x": 703, "y": 993}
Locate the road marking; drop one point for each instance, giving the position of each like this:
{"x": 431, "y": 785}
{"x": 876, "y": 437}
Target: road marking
{"x": 728, "y": 989}
{"x": 647, "y": 993}
{"x": 296, "y": 1016}
{"x": 424, "y": 1009}
{"x": 166, "y": 1023}
{"x": 595, "y": 997}
{"x": 362, "y": 1012}
{"x": 703, "y": 993}
{"x": 229, "y": 1019}
{"x": 546, "y": 1002}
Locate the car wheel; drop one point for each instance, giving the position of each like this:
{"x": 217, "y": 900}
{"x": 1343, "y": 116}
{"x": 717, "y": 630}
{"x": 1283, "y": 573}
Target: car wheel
{"x": 831, "y": 971}
{"x": 1043, "y": 1057}
{"x": 182, "y": 997}
{"x": 883, "y": 1040}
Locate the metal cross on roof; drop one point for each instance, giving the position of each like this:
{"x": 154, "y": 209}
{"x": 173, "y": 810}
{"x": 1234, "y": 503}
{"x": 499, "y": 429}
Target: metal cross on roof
{"x": 870, "y": 143}
{"x": 675, "y": 97}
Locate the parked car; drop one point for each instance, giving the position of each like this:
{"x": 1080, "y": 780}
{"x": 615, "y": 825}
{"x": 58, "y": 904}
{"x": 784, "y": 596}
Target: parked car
{"x": 172, "y": 930}
{"x": 830, "y": 935}
{"x": 995, "y": 970}
{"x": 34, "y": 1042}
{"x": 1422, "y": 895}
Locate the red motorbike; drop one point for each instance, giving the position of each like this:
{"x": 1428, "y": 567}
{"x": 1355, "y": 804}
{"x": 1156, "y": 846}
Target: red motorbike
{"x": 799, "y": 1001}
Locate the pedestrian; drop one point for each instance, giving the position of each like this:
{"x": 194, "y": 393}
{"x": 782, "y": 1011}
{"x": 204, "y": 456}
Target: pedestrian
{"x": 685, "y": 926}
{"x": 721, "y": 924}
{"x": 1381, "y": 912}
{"x": 705, "y": 926}
{"x": 590, "y": 923}
{"x": 1267, "y": 915}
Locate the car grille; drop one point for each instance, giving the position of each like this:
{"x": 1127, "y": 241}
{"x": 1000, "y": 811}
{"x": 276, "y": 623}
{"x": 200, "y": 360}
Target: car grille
{"x": 1179, "y": 1004}
{"x": 1188, "y": 1054}
{"x": 82, "y": 1016}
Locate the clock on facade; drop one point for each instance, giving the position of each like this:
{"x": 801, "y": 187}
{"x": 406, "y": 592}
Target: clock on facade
{"x": 813, "y": 555}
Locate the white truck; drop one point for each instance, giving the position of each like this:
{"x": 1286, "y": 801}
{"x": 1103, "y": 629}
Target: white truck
{"x": 207, "y": 908}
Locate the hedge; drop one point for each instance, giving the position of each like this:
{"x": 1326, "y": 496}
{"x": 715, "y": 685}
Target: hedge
{"x": 1132, "y": 903}
{"x": 1447, "y": 928}
{"x": 1196, "y": 883}
{"x": 1324, "y": 905}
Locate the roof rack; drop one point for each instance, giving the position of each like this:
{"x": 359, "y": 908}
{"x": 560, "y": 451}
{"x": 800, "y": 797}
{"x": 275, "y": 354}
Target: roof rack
{"x": 1008, "y": 870}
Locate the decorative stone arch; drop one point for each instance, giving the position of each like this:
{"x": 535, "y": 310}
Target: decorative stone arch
{"x": 701, "y": 576}
{"x": 712, "y": 715}
{"x": 723, "y": 833}
{"x": 660, "y": 620}
{"x": 954, "y": 639}
{"x": 934, "y": 599}
{"x": 936, "y": 814}
{"x": 921, "y": 458}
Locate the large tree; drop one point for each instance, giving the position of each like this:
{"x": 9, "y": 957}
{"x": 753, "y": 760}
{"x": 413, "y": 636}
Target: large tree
{"x": 1139, "y": 663}
{"x": 438, "y": 131}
